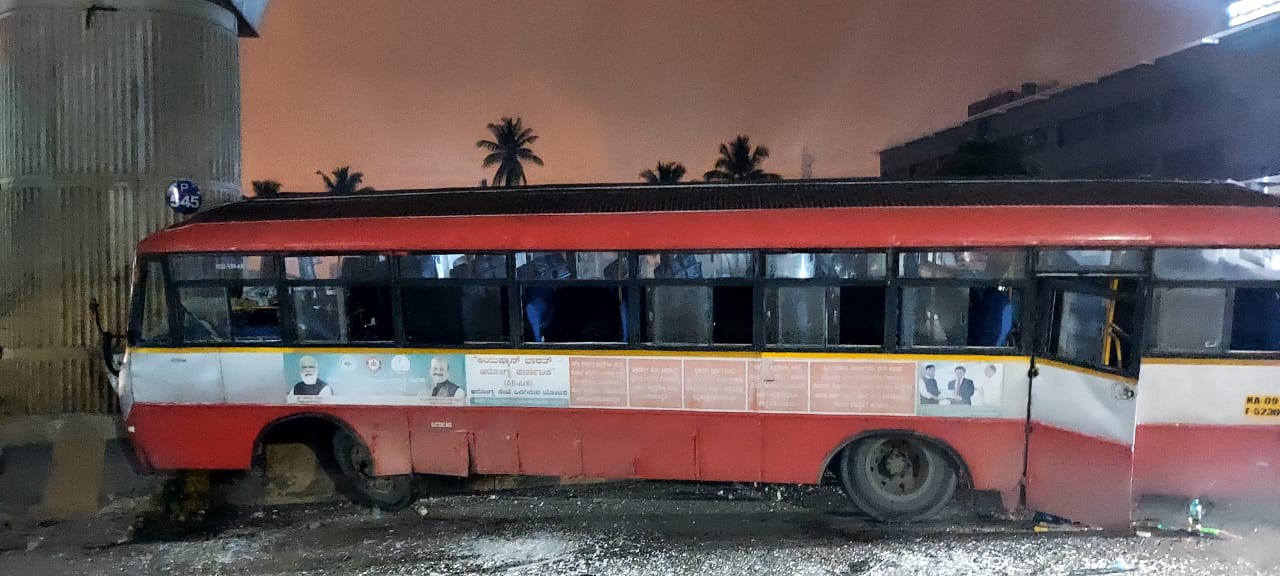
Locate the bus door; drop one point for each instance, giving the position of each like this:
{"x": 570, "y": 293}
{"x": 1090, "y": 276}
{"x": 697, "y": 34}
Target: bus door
{"x": 1083, "y": 399}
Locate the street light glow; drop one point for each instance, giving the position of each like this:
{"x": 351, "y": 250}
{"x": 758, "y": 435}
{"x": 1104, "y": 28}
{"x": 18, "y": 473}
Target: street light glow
{"x": 1244, "y": 11}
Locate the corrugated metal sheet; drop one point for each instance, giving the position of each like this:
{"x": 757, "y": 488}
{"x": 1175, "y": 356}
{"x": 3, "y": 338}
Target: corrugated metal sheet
{"x": 96, "y": 122}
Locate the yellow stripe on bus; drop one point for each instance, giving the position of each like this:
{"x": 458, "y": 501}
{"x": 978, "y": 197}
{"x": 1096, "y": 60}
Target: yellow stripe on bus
{"x": 1215, "y": 361}
{"x": 575, "y": 352}
{"x": 1087, "y": 371}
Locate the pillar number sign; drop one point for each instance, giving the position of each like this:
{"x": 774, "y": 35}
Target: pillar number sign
{"x": 184, "y": 197}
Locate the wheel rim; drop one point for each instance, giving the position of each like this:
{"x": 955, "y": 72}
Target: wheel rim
{"x": 897, "y": 469}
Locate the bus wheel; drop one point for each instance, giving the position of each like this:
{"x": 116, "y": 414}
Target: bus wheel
{"x": 357, "y": 482}
{"x": 896, "y": 478}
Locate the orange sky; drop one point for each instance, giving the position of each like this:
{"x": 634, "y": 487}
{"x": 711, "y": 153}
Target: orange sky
{"x": 402, "y": 89}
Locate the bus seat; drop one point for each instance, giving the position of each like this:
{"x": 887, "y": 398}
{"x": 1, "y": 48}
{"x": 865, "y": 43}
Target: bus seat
{"x": 990, "y": 317}
{"x": 538, "y": 310}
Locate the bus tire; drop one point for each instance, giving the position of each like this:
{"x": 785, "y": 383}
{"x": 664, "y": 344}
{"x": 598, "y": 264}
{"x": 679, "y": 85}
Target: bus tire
{"x": 358, "y": 483}
{"x": 897, "y": 478}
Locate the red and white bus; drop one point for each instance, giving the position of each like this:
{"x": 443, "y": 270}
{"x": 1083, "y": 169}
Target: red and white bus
{"x": 1072, "y": 345}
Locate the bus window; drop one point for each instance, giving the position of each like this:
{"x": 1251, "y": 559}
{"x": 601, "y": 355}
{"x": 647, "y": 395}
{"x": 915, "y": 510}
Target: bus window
{"x": 565, "y": 312}
{"x": 452, "y": 315}
{"x": 255, "y": 313}
{"x": 600, "y": 265}
{"x": 680, "y": 265}
{"x": 342, "y": 314}
{"x": 1178, "y": 329}
{"x": 1255, "y": 321}
{"x": 731, "y": 314}
{"x": 955, "y": 316}
{"x": 1083, "y": 261}
{"x": 824, "y": 315}
{"x": 1081, "y": 328}
{"x": 222, "y": 267}
{"x": 1217, "y": 264}
{"x": 155, "y": 306}
{"x": 205, "y": 316}
{"x": 678, "y": 314}
{"x": 573, "y": 313}
{"x": 466, "y": 266}
{"x": 348, "y": 267}
{"x": 800, "y": 315}
{"x": 861, "y": 315}
{"x": 544, "y": 265}
{"x": 318, "y": 312}
{"x": 843, "y": 265}
{"x": 1093, "y": 325}
{"x": 984, "y": 264}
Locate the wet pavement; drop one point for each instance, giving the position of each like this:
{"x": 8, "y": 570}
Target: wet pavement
{"x": 633, "y": 528}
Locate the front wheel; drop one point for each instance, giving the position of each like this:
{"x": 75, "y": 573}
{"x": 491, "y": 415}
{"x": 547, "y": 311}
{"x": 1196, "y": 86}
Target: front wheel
{"x": 895, "y": 478}
{"x": 358, "y": 482}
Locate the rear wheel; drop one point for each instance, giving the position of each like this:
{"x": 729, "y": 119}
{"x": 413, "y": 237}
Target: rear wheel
{"x": 358, "y": 482}
{"x": 897, "y": 478}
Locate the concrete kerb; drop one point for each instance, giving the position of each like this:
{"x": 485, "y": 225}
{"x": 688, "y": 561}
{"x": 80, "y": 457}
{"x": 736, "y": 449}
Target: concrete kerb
{"x": 65, "y": 466}
{"x": 72, "y": 466}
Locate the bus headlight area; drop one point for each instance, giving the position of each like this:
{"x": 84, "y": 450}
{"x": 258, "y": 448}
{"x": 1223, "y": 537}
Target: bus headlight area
{"x": 1072, "y": 346}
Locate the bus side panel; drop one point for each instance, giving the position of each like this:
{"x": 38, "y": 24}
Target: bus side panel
{"x": 1088, "y": 476}
{"x": 796, "y": 446}
{"x": 991, "y": 449}
{"x": 1207, "y": 461}
{"x": 438, "y": 450}
{"x": 549, "y": 444}
{"x": 1207, "y": 429}
{"x": 635, "y": 444}
{"x": 385, "y": 430}
{"x": 729, "y": 447}
{"x": 222, "y": 437}
{"x": 198, "y": 437}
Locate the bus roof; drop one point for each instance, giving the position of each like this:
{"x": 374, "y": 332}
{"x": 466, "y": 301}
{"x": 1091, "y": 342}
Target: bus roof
{"x": 602, "y": 198}
{"x": 774, "y": 215}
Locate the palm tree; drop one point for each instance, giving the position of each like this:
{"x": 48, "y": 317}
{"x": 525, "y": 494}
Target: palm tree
{"x": 266, "y": 189}
{"x": 666, "y": 173}
{"x": 344, "y": 182}
{"x": 509, "y": 149}
{"x": 738, "y": 163}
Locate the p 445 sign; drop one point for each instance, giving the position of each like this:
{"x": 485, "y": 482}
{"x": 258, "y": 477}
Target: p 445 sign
{"x": 184, "y": 197}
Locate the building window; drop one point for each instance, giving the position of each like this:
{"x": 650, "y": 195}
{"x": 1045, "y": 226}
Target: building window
{"x": 1077, "y": 130}
{"x": 1205, "y": 161}
{"x": 1187, "y": 101}
{"x": 1129, "y": 116}
{"x": 1032, "y": 141}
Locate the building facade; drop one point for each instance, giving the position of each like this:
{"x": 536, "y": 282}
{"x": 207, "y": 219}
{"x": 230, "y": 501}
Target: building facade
{"x": 1208, "y": 111}
{"x": 102, "y": 106}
